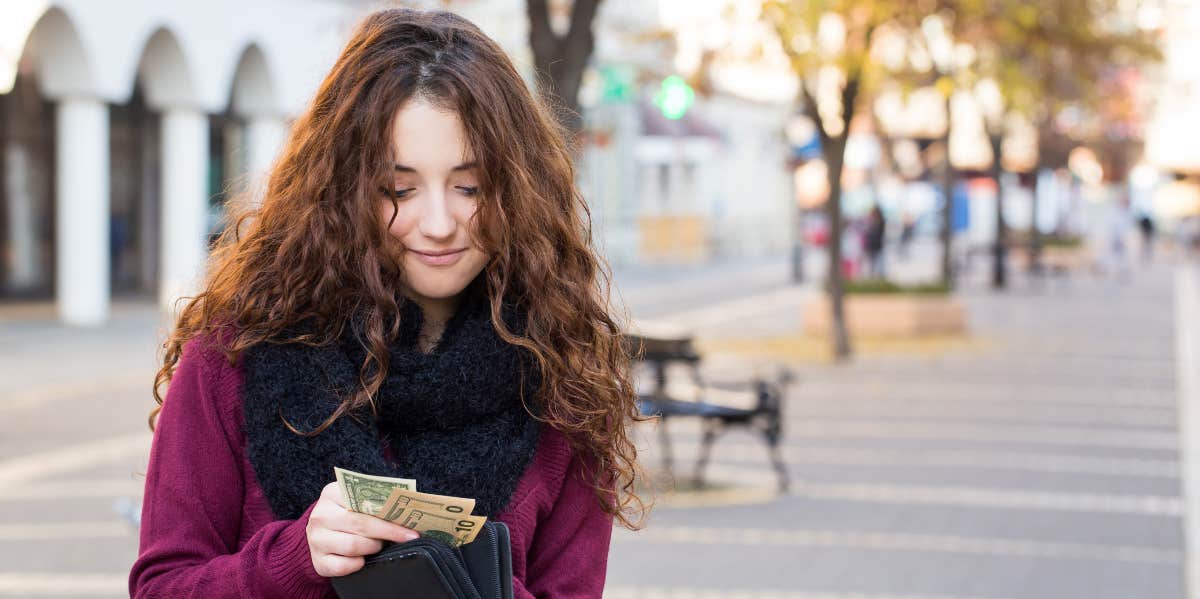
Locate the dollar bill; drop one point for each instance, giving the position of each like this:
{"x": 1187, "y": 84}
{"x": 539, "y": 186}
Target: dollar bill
{"x": 401, "y": 500}
{"x": 452, "y": 529}
{"x": 366, "y": 493}
{"x": 447, "y": 519}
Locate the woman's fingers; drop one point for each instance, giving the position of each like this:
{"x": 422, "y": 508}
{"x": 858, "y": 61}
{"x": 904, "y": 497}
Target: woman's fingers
{"x": 333, "y": 493}
{"x": 332, "y": 514}
{"x": 339, "y": 538}
{"x": 344, "y": 544}
{"x": 372, "y": 527}
{"x": 329, "y": 565}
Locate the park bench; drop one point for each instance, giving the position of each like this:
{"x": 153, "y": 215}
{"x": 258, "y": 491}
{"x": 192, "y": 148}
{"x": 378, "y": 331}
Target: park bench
{"x": 755, "y": 403}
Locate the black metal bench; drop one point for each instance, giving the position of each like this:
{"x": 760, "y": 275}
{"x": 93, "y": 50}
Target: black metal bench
{"x": 764, "y": 413}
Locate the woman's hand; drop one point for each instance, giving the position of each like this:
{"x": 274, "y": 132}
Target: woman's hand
{"x": 339, "y": 538}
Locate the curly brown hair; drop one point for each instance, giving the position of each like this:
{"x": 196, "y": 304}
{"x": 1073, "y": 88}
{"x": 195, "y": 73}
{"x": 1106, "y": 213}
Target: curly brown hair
{"x": 314, "y": 248}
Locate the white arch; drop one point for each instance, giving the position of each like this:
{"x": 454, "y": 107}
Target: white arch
{"x": 253, "y": 91}
{"x": 166, "y": 75}
{"x": 54, "y": 44}
{"x": 254, "y": 97}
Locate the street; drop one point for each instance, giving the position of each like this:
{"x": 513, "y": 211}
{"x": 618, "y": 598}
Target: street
{"x": 1043, "y": 461}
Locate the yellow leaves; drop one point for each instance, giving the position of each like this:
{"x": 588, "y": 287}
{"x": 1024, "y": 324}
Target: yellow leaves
{"x": 1039, "y": 54}
{"x": 1026, "y": 16}
{"x": 945, "y": 86}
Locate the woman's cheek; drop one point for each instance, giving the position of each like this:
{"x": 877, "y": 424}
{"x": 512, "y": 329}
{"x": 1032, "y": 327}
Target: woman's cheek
{"x": 400, "y": 225}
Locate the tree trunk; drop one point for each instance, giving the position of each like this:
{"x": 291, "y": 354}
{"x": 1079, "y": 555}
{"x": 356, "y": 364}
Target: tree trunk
{"x": 835, "y": 150}
{"x": 948, "y": 177}
{"x": 561, "y": 60}
{"x": 1000, "y": 247}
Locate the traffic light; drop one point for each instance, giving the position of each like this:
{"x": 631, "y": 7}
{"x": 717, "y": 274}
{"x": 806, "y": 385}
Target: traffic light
{"x": 618, "y": 83}
{"x": 674, "y": 97}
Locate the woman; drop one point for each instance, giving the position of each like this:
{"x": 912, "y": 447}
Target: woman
{"x": 416, "y": 297}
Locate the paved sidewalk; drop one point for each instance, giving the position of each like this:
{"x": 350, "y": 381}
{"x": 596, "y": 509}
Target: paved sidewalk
{"x": 74, "y": 441}
{"x": 1046, "y": 466}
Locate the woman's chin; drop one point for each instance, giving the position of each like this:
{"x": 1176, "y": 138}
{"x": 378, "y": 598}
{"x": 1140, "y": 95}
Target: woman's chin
{"x": 443, "y": 282}
{"x": 438, "y": 287}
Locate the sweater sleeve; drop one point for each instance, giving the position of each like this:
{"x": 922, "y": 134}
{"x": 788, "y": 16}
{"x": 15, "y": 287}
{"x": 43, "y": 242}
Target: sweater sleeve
{"x": 568, "y": 558}
{"x": 193, "y": 502}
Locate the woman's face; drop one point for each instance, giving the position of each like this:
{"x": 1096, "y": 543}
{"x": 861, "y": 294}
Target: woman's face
{"x": 436, "y": 186}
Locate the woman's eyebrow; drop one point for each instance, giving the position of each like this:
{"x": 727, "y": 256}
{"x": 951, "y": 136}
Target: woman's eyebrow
{"x": 400, "y": 168}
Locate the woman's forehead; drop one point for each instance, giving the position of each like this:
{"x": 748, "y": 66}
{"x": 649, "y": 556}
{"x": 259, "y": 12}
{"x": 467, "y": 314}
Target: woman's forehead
{"x": 426, "y": 137}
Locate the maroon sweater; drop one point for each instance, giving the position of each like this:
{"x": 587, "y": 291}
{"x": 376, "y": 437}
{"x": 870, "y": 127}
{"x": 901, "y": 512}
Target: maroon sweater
{"x": 207, "y": 529}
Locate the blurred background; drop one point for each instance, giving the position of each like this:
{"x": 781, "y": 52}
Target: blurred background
{"x": 916, "y": 281}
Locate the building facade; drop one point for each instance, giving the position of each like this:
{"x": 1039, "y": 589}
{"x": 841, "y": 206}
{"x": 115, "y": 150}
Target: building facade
{"x": 122, "y": 125}
{"x": 125, "y": 125}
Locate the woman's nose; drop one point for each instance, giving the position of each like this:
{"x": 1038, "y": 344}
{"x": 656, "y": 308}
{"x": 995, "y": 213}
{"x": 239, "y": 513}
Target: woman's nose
{"x": 436, "y": 222}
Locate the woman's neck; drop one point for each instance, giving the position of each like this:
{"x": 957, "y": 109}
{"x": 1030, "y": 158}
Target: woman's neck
{"x": 436, "y": 312}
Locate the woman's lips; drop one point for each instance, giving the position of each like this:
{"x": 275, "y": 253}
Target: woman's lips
{"x": 439, "y": 259}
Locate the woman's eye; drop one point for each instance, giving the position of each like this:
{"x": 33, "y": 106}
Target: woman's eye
{"x": 468, "y": 190}
{"x": 400, "y": 193}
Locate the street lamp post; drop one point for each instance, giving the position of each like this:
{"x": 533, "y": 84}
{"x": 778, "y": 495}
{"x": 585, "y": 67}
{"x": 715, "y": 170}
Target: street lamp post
{"x": 797, "y": 239}
{"x": 801, "y": 132}
{"x": 991, "y": 102}
{"x": 948, "y": 180}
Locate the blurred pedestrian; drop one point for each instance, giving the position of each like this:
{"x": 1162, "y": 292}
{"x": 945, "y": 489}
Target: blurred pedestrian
{"x": 852, "y": 250}
{"x": 1146, "y": 227}
{"x": 906, "y": 234}
{"x": 415, "y": 297}
{"x": 1119, "y": 224}
{"x": 874, "y": 241}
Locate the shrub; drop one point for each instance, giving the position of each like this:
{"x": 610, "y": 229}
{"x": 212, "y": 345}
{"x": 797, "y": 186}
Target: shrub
{"x": 884, "y": 286}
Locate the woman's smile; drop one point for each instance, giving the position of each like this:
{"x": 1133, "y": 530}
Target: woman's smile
{"x": 439, "y": 257}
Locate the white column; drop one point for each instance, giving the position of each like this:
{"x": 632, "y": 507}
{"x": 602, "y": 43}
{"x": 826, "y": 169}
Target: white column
{"x": 649, "y": 192}
{"x": 264, "y": 136}
{"x": 184, "y": 204}
{"x": 677, "y": 186}
{"x": 82, "y": 210}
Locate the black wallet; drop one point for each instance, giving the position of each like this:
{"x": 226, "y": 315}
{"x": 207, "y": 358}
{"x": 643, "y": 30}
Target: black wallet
{"x": 431, "y": 569}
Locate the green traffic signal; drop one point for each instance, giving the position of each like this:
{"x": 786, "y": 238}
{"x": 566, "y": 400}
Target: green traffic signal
{"x": 674, "y": 97}
{"x": 618, "y": 83}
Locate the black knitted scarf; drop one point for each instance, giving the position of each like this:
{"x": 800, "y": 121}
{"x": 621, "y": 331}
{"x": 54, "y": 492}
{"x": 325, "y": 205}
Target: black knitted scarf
{"x": 453, "y": 418}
